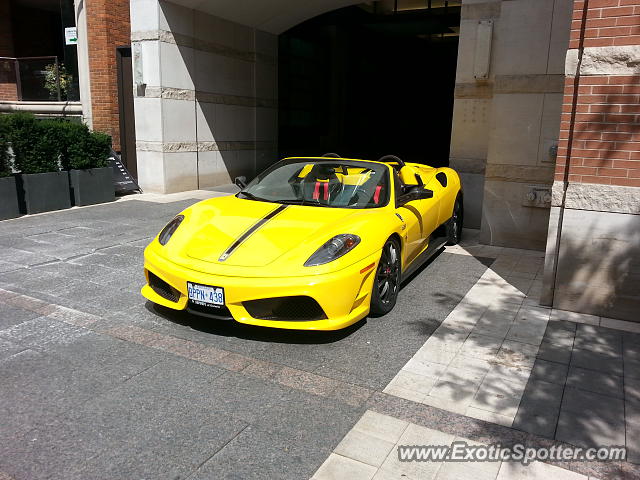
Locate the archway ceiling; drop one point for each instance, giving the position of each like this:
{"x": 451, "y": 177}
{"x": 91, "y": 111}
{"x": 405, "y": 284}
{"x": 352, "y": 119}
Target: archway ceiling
{"x": 273, "y": 16}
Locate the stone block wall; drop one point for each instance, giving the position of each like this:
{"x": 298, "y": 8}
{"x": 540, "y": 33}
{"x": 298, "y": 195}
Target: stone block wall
{"x": 593, "y": 247}
{"x": 505, "y": 126}
{"x": 206, "y": 97}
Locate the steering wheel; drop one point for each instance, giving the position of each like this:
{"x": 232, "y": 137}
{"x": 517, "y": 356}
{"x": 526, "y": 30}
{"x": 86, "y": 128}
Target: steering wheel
{"x": 392, "y": 158}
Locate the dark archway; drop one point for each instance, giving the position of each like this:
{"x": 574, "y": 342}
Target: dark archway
{"x": 364, "y": 82}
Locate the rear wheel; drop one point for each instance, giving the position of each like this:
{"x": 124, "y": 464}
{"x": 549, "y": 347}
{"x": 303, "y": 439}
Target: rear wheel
{"x": 387, "y": 281}
{"x": 454, "y": 227}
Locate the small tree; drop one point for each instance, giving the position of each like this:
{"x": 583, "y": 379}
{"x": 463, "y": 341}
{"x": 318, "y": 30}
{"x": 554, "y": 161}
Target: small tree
{"x": 51, "y": 82}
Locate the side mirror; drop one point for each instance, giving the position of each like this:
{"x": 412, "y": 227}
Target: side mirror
{"x": 241, "y": 182}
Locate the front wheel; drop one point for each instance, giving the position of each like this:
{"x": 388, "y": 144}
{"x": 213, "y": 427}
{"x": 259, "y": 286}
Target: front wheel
{"x": 386, "y": 284}
{"x": 454, "y": 227}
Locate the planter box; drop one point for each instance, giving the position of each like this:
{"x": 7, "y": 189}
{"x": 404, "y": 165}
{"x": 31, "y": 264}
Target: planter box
{"x": 9, "y": 207}
{"x": 43, "y": 192}
{"x": 91, "y": 186}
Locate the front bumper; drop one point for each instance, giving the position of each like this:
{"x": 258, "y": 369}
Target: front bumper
{"x": 344, "y": 296}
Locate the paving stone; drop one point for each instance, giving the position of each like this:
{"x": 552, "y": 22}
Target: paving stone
{"x": 603, "y": 362}
{"x": 551, "y": 352}
{"x": 510, "y": 385}
{"x": 598, "y": 382}
{"x": 364, "y": 448}
{"x": 337, "y": 467}
{"x": 633, "y": 442}
{"x": 632, "y": 389}
{"x": 559, "y": 336}
{"x": 620, "y": 325}
{"x": 632, "y": 369}
{"x": 480, "y": 346}
{"x": 468, "y": 470}
{"x": 353, "y": 395}
{"x": 417, "y": 435}
{"x": 423, "y": 367}
{"x": 541, "y": 423}
{"x": 542, "y": 396}
{"x": 516, "y": 354}
{"x": 574, "y": 317}
{"x": 598, "y": 339}
{"x": 549, "y": 372}
{"x": 381, "y": 426}
{"x": 632, "y": 413}
{"x": 489, "y": 416}
{"x": 400, "y": 392}
{"x": 498, "y": 402}
{"x": 588, "y": 419}
{"x": 457, "y": 404}
{"x": 535, "y": 470}
{"x": 412, "y": 381}
{"x": 475, "y": 366}
{"x": 10, "y": 316}
{"x": 592, "y": 430}
{"x": 8, "y": 348}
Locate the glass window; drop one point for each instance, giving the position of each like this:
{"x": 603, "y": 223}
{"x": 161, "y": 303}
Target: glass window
{"x": 322, "y": 182}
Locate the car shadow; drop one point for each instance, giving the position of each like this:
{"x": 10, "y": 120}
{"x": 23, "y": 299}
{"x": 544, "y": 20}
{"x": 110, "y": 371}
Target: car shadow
{"x": 486, "y": 261}
{"x": 231, "y": 328}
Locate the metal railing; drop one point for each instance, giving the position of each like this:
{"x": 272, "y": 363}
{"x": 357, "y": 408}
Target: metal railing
{"x": 38, "y": 79}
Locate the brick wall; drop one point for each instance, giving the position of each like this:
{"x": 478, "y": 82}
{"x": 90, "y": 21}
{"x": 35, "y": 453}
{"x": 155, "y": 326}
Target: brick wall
{"x": 109, "y": 27}
{"x": 605, "y": 142}
{"x": 7, "y": 69}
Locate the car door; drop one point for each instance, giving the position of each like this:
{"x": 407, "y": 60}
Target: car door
{"x": 420, "y": 217}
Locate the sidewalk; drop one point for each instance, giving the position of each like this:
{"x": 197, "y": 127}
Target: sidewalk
{"x": 501, "y": 358}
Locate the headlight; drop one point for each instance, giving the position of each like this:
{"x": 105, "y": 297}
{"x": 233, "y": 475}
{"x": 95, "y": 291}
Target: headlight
{"x": 333, "y": 249}
{"x": 170, "y": 229}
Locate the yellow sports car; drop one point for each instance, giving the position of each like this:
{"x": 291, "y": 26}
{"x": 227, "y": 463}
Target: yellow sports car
{"x": 312, "y": 243}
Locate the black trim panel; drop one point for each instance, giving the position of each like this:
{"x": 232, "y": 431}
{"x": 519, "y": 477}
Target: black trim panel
{"x": 435, "y": 244}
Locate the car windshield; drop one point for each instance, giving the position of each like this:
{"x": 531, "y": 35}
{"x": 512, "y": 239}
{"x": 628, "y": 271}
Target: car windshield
{"x": 322, "y": 182}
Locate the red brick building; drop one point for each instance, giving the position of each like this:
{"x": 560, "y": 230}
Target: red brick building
{"x": 593, "y": 249}
{"x": 30, "y": 30}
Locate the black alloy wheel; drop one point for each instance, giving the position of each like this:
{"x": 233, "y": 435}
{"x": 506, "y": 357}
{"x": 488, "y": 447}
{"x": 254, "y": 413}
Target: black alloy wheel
{"x": 454, "y": 228}
{"x": 386, "y": 284}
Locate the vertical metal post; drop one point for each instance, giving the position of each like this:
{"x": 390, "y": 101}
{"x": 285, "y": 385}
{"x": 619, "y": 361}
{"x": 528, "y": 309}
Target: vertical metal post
{"x": 58, "y": 79}
{"x": 16, "y": 64}
{"x": 395, "y": 6}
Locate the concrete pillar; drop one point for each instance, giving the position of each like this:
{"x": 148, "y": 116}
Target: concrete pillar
{"x": 205, "y": 97}
{"x": 506, "y": 116}
{"x": 84, "y": 78}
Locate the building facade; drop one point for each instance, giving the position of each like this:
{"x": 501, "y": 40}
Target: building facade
{"x": 33, "y": 37}
{"x": 541, "y": 99}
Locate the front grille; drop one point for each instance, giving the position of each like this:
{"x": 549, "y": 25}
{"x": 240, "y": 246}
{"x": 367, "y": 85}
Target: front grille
{"x": 292, "y": 309}
{"x": 162, "y": 288}
{"x": 220, "y": 313}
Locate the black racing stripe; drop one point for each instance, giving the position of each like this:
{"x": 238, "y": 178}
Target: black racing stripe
{"x": 227, "y": 253}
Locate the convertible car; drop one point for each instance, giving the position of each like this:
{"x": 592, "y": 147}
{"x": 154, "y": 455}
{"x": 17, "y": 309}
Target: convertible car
{"x": 310, "y": 244}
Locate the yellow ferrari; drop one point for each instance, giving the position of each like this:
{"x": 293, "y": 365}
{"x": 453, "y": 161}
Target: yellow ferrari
{"x": 312, "y": 243}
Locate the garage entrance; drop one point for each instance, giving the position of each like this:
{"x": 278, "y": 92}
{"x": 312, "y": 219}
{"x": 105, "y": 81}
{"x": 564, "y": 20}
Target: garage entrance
{"x": 370, "y": 79}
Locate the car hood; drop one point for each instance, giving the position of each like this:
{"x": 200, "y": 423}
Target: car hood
{"x": 256, "y": 234}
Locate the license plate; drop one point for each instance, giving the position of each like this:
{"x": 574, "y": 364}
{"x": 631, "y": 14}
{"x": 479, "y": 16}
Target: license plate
{"x": 205, "y": 295}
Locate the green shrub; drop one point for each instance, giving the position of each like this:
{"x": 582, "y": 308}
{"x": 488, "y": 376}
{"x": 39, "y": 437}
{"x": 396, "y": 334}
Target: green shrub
{"x": 50, "y": 145}
{"x": 5, "y": 158}
{"x": 89, "y": 151}
{"x": 35, "y": 143}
